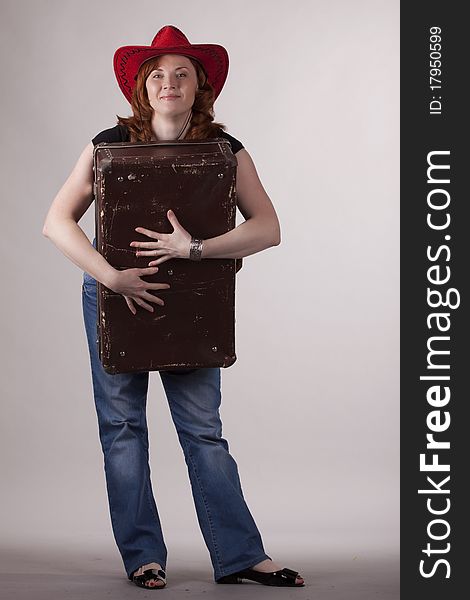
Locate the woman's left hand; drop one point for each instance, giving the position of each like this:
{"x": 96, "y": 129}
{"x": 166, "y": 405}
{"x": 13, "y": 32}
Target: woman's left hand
{"x": 166, "y": 245}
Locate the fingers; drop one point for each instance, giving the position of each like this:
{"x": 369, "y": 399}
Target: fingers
{"x": 144, "y": 295}
{"x": 153, "y": 252}
{"x": 141, "y": 302}
{"x": 161, "y": 260}
{"x": 152, "y": 286}
{"x": 152, "y": 298}
{"x": 149, "y": 233}
{"x": 149, "y": 245}
{"x": 147, "y": 270}
{"x": 157, "y": 286}
{"x": 130, "y": 305}
{"x": 144, "y": 304}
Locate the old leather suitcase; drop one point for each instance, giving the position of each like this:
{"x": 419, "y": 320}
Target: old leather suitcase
{"x": 134, "y": 185}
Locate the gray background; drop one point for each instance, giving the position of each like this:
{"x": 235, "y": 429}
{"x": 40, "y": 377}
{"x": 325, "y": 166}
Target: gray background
{"x": 310, "y": 408}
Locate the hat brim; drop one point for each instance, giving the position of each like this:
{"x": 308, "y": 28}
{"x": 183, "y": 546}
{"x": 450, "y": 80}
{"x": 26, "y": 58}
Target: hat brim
{"x": 128, "y": 59}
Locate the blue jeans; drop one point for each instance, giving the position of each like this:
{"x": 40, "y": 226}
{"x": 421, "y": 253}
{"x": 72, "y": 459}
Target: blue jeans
{"x": 194, "y": 398}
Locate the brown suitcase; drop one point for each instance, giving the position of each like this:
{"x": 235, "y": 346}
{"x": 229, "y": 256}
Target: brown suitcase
{"x": 134, "y": 185}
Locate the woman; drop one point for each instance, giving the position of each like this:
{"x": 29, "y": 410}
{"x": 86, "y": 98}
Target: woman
{"x": 171, "y": 85}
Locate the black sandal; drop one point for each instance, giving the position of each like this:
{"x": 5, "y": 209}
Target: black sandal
{"x": 284, "y": 577}
{"x": 148, "y": 574}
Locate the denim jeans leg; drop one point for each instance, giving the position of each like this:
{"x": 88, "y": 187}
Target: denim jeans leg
{"x": 228, "y": 528}
{"x": 120, "y": 402}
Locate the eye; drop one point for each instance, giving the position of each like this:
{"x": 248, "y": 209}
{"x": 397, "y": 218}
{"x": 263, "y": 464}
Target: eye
{"x": 183, "y": 74}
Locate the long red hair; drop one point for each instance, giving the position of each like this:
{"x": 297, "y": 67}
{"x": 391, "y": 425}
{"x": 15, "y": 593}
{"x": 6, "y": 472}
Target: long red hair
{"x": 202, "y": 124}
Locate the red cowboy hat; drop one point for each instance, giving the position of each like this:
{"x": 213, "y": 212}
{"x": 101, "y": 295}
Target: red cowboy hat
{"x": 170, "y": 40}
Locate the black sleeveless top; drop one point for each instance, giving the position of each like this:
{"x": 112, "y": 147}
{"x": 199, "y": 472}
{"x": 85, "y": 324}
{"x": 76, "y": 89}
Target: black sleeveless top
{"x": 119, "y": 133}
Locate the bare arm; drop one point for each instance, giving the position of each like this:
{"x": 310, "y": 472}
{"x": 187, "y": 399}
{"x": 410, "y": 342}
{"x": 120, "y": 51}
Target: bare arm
{"x": 61, "y": 224}
{"x": 261, "y": 228}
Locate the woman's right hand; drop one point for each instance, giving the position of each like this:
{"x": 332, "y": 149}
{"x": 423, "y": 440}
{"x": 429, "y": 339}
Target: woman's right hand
{"x": 129, "y": 283}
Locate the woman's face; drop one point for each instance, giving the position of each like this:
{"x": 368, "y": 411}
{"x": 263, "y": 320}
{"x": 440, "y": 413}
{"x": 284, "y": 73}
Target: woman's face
{"x": 171, "y": 86}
